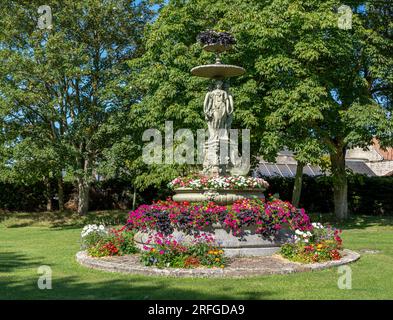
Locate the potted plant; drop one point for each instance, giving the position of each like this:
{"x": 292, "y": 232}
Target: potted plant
{"x": 216, "y": 41}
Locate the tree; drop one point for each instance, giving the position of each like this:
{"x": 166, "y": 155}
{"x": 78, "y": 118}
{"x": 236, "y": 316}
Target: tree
{"x": 170, "y": 93}
{"x": 318, "y": 78}
{"x": 318, "y": 85}
{"x": 66, "y": 83}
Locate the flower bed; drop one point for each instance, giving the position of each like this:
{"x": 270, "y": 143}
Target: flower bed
{"x": 100, "y": 241}
{"x": 165, "y": 251}
{"x": 316, "y": 245}
{"x": 214, "y": 183}
{"x": 268, "y": 217}
{"x": 311, "y": 242}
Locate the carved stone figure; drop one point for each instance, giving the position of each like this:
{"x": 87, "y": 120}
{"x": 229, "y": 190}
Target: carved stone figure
{"x": 218, "y": 109}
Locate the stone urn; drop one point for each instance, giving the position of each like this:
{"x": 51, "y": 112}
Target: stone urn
{"x": 219, "y": 196}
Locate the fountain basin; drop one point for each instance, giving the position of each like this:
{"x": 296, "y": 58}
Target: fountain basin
{"x": 217, "y": 71}
{"x": 250, "y": 244}
{"x": 217, "y": 47}
{"x": 219, "y": 196}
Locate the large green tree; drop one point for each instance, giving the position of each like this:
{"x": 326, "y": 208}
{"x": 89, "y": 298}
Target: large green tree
{"x": 324, "y": 78}
{"x": 63, "y": 87}
{"x": 309, "y": 85}
{"x": 170, "y": 93}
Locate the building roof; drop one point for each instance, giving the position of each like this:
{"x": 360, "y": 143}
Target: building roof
{"x": 284, "y": 170}
{"x": 387, "y": 154}
{"x": 265, "y": 169}
{"x": 359, "y": 167}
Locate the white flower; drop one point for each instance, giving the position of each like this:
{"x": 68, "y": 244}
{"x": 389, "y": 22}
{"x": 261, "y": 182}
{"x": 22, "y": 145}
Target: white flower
{"x": 90, "y": 228}
{"x": 317, "y": 225}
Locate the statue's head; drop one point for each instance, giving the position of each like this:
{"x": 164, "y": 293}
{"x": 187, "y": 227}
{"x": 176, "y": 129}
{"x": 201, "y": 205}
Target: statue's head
{"x": 219, "y": 84}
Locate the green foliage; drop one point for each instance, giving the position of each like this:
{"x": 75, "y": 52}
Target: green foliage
{"x": 98, "y": 251}
{"x": 170, "y": 254}
{"x": 63, "y": 102}
{"x": 310, "y": 86}
{"x": 321, "y": 244}
{"x": 288, "y": 251}
{"x": 104, "y": 195}
{"x": 366, "y": 195}
{"x": 112, "y": 242}
{"x": 78, "y": 97}
{"x": 128, "y": 245}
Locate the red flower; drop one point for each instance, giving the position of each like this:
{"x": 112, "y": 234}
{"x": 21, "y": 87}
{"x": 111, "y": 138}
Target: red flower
{"x": 335, "y": 255}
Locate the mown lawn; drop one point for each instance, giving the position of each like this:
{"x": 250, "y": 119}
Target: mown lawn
{"x": 28, "y": 241}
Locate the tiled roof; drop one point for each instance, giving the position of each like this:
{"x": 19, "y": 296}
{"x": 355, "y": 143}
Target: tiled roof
{"x": 386, "y": 154}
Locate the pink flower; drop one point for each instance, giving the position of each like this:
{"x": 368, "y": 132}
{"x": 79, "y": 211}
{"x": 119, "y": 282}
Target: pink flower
{"x": 162, "y": 251}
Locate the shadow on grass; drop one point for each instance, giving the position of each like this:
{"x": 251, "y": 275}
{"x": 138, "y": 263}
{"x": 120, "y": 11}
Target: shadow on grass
{"x": 11, "y": 261}
{"x": 354, "y": 222}
{"x": 62, "y": 220}
{"x": 133, "y": 288}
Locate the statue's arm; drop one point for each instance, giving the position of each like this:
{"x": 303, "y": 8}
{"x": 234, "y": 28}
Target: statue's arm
{"x": 207, "y": 104}
{"x": 229, "y": 104}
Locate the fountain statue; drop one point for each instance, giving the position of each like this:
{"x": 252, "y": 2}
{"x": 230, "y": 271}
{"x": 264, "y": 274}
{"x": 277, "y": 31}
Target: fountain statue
{"x": 218, "y": 109}
{"x": 221, "y": 158}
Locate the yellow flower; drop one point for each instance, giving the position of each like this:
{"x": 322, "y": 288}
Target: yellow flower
{"x": 217, "y": 259}
{"x": 220, "y": 252}
{"x": 222, "y": 266}
{"x": 215, "y": 252}
{"x": 210, "y": 252}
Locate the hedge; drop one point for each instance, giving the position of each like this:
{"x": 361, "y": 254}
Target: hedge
{"x": 366, "y": 195}
{"x": 104, "y": 195}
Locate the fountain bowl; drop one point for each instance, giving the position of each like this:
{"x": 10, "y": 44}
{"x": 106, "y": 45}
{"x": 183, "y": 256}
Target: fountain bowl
{"x": 218, "y": 71}
{"x": 216, "y": 47}
{"x": 219, "y": 196}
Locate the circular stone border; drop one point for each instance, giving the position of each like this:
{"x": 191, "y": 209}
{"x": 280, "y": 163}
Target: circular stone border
{"x": 274, "y": 264}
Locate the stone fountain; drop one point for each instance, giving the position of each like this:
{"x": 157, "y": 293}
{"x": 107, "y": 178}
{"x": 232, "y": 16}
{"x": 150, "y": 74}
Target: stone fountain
{"x": 218, "y": 109}
{"x": 221, "y": 156}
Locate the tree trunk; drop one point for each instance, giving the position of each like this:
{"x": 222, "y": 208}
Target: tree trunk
{"x": 48, "y": 194}
{"x": 340, "y": 184}
{"x": 83, "y": 196}
{"x": 134, "y": 199}
{"x": 60, "y": 193}
{"x": 297, "y": 187}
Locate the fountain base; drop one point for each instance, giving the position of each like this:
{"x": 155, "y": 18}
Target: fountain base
{"x": 250, "y": 244}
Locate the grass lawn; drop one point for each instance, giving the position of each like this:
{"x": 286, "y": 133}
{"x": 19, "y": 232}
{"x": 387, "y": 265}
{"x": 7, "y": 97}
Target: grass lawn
{"x": 28, "y": 241}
